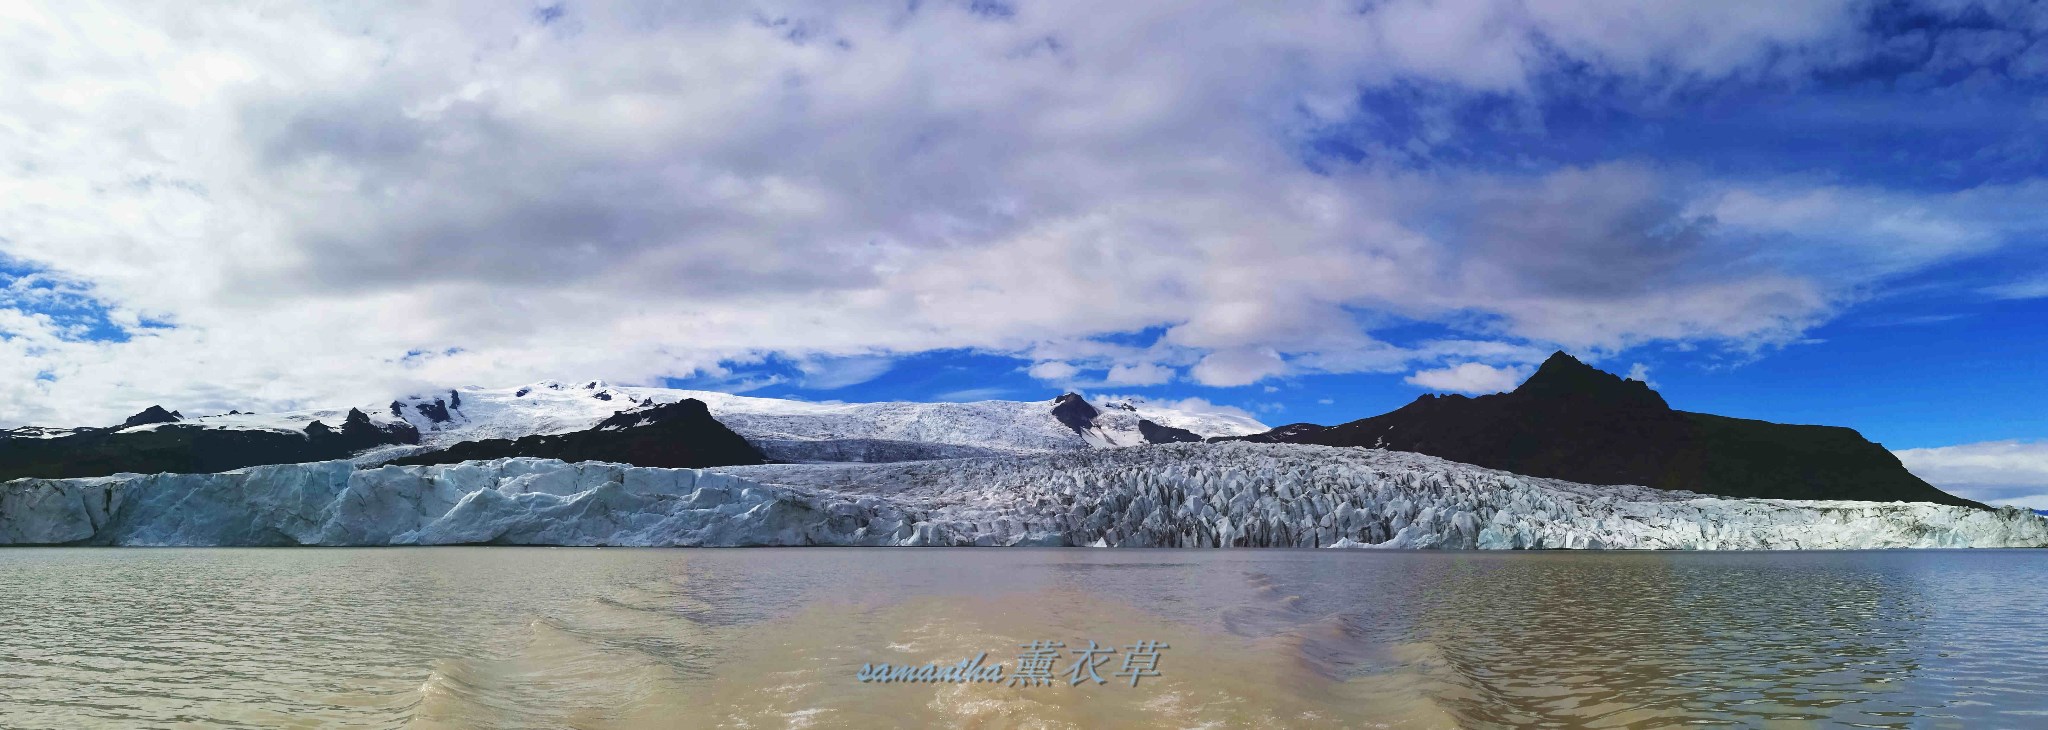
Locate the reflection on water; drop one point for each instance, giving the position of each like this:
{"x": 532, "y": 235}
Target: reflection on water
{"x": 515, "y": 637}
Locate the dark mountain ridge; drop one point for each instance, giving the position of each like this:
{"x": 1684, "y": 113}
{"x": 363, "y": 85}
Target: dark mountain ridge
{"x": 172, "y": 446}
{"x": 1574, "y": 422}
{"x": 1076, "y": 413}
{"x": 679, "y": 435}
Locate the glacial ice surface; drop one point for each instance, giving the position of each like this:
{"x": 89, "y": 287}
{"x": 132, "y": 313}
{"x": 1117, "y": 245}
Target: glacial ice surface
{"x": 797, "y": 430}
{"x": 1177, "y": 495}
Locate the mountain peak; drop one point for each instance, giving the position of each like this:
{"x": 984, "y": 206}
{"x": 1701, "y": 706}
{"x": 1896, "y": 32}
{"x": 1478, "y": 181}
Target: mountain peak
{"x": 687, "y": 408}
{"x": 1561, "y": 363}
{"x": 152, "y": 414}
{"x": 1565, "y": 376}
{"x": 1074, "y": 411}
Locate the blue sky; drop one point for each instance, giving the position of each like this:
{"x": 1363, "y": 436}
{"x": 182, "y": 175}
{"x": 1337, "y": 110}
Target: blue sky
{"x": 1869, "y": 370}
{"x": 1820, "y": 212}
{"x": 1926, "y": 358}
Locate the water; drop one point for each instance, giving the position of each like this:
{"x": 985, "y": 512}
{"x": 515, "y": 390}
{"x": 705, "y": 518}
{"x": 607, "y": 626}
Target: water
{"x": 515, "y": 637}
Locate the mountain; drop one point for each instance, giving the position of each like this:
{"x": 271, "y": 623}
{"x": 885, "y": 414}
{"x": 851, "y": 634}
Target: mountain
{"x": 152, "y": 414}
{"x": 784, "y": 430}
{"x": 1574, "y": 422}
{"x": 671, "y": 435}
{"x": 792, "y": 430}
{"x": 156, "y": 440}
{"x": 1176, "y": 495}
{"x": 1130, "y": 422}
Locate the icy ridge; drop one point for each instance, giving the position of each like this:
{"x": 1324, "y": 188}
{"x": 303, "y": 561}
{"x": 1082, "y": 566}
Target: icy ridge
{"x": 1180, "y": 495}
{"x": 551, "y": 407}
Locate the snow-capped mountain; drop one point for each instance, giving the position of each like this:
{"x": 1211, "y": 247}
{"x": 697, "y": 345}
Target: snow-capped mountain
{"x": 670, "y": 435}
{"x": 157, "y": 440}
{"x": 787, "y": 430}
{"x": 1177, "y": 495}
{"x": 37, "y": 432}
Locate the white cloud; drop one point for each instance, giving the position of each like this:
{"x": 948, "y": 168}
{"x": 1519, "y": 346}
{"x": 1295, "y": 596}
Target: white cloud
{"x": 974, "y": 394}
{"x": 1470, "y": 377}
{"x": 1053, "y": 370}
{"x": 834, "y": 373}
{"x": 1242, "y": 366}
{"x": 2036, "y": 288}
{"x": 1993, "y": 472}
{"x": 1866, "y": 233}
{"x": 1138, "y": 374}
{"x": 1641, "y": 373}
{"x": 334, "y": 203}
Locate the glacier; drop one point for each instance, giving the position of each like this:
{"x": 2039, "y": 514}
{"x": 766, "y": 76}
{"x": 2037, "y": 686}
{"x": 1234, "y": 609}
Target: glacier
{"x": 1174, "y": 495}
{"x": 783, "y": 429}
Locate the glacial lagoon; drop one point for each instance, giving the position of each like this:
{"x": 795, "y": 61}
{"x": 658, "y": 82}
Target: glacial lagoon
{"x": 630, "y": 638}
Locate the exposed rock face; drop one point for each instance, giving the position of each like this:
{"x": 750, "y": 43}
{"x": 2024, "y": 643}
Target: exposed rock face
{"x": 1073, "y": 411}
{"x": 436, "y": 411}
{"x": 1180, "y": 495}
{"x": 358, "y": 433}
{"x": 152, "y": 414}
{"x": 1157, "y": 434}
{"x": 1571, "y": 421}
{"x": 37, "y": 432}
{"x": 677, "y": 435}
{"x": 780, "y": 429}
{"x": 183, "y": 448}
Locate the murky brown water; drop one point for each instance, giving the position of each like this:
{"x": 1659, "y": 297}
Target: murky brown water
{"x": 515, "y": 637}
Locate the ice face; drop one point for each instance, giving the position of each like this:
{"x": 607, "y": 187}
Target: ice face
{"x": 1179, "y": 495}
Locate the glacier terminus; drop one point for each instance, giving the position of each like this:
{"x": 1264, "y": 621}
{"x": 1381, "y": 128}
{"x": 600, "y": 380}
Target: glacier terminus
{"x": 1229, "y": 494}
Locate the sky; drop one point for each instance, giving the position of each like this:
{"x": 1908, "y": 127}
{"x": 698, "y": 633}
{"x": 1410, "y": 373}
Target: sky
{"x": 1813, "y": 212}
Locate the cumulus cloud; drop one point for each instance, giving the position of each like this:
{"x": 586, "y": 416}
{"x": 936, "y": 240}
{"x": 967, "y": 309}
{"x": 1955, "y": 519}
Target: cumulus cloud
{"x": 286, "y": 206}
{"x": 1641, "y": 373}
{"x": 1139, "y": 374}
{"x": 1471, "y": 377}
{"x": 1053, "y": 371}
{"x": 1993, "y": 472}
{"x": 835, "y": 373}
{"x": 1242, "y": 366}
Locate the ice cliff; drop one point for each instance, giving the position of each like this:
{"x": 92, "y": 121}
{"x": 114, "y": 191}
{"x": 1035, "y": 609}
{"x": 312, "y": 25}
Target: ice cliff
{"x": 1192, "y": 495}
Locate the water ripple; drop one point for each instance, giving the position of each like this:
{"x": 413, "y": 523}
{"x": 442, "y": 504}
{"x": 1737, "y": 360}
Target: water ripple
{"x": 506, "y": 637}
